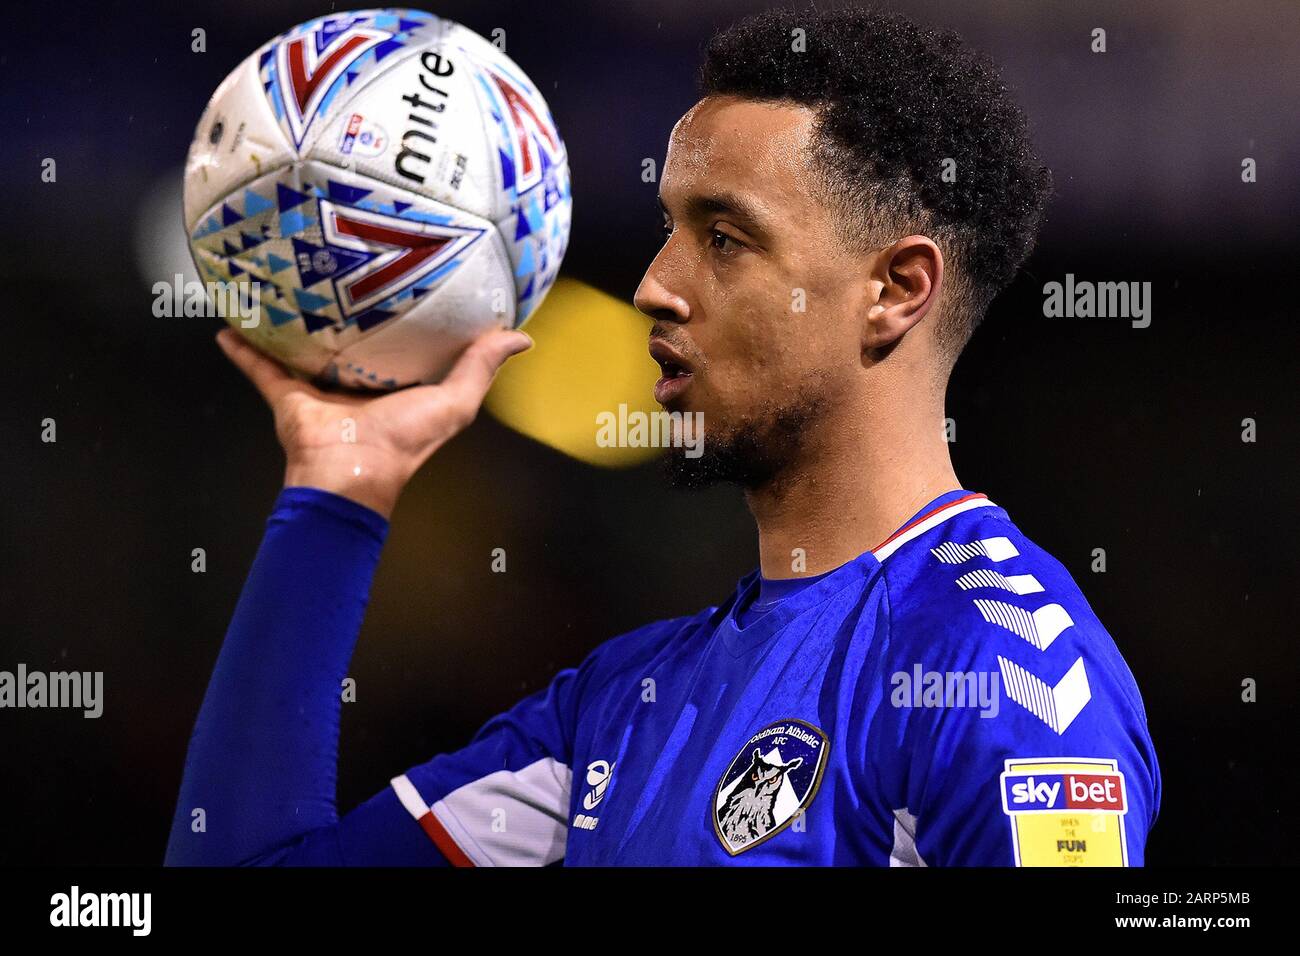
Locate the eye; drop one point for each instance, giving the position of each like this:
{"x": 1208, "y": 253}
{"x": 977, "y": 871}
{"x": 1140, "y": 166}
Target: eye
{"x": 720, "y": 240}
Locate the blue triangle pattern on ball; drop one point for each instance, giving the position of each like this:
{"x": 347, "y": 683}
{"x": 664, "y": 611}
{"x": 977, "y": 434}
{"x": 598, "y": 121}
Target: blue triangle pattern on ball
{"x": 310, "y": 300}
{"x": 276, "y": 264}
{"x": 255, "y": 203}
{"x": 292, "y": 223}
{"x": 341, "y": 192}
{"x": 287, "y": 198}
{"x": 315, "y": 323}
{"x": 278, "y": 316}
{"x": 372, "y": 317}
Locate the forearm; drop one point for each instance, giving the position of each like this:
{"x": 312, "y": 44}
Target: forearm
{"x": 262, "y": 762}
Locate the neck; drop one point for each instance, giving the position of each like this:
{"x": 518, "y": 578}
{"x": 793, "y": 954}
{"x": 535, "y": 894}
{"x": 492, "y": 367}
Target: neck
{"x": 856, "y": 480}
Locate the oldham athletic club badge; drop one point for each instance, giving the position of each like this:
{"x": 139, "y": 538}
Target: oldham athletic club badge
{"x": 771, "y": 781}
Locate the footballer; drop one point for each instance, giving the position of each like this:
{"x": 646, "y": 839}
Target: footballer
{"x": 905, "y": 680}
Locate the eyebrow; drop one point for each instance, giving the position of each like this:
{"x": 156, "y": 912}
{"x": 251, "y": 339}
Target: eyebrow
{"x": 700, "y": 206}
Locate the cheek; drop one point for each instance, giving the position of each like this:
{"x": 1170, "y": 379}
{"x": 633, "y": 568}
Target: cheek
{"x": 754, "y": 369}
{"x": 760, "y": 326}
{"x": 756, "y": 343}
{"x": 766, "y": 334}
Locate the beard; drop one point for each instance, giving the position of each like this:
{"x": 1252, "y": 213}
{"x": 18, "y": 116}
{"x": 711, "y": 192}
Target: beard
{"x": 752, "y": 453}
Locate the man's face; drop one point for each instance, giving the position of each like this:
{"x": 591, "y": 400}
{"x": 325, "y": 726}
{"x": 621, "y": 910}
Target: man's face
{"x": 754, "y": 296}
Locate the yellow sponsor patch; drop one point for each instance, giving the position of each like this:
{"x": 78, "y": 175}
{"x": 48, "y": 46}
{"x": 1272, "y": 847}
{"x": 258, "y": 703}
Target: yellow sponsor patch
{"x": 1066, "y": 811}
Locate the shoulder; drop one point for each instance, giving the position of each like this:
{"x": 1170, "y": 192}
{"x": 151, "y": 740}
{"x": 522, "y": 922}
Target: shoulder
{"x": 997, "y": 663}
{"x": 975, "y": 592}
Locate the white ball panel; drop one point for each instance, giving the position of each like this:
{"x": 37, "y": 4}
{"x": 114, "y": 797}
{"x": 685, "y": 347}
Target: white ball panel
{"x": 236, "y": 141}
{"x": 439, "y": 153}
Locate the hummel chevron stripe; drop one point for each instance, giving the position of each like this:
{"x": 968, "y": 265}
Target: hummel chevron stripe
{"x": 1055, "y": 706}
{"x": 1039, "y": 627}
{"x": 995, "y": 549}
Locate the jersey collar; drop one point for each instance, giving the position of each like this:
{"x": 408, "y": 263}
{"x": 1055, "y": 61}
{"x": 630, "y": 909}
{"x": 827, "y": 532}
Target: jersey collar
{"x": 737, "y": 640}
{"x": 931, "y": 516}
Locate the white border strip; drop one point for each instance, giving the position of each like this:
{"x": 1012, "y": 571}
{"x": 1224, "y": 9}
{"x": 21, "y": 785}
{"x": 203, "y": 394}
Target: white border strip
{"x": 885, "y": 550}
{"x": 409, "y": 796}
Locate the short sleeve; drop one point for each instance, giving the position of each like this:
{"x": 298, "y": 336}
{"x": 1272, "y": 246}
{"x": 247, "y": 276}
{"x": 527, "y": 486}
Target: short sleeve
{"x": 503, "y": 799}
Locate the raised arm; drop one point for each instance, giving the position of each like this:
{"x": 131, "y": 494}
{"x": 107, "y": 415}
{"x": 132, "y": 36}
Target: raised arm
{"x": 260, "y": 772}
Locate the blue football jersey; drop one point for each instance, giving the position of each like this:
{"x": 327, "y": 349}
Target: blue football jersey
{"x": 948, "y": 698}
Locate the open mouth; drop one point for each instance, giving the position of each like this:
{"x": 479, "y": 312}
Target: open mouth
{"x": 675, "y": 372}
{"x": 671, "y": 369}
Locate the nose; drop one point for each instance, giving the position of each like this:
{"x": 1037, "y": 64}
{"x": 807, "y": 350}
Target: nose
{"x": 654, "y": 297}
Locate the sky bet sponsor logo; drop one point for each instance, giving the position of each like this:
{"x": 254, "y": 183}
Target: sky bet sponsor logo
{"x": 1057, "y": 792}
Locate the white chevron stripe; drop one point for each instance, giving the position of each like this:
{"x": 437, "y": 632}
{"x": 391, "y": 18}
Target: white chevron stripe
{"x": 1055, "y": 706}
{"x": 1039, "y": 628}
{"x": 1024, "y": 583}
{"x": 987, "y": 578}
{"x": 995, "y": 549}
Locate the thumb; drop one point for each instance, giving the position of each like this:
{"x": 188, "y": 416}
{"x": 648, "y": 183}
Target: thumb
{"x": 471, "y": 376}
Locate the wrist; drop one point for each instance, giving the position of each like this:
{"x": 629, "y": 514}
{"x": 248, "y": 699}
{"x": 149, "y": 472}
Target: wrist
{"x": 349, "y": 475}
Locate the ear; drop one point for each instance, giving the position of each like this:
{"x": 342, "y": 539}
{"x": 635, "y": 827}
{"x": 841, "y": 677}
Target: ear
{"x": 907, "y": 275}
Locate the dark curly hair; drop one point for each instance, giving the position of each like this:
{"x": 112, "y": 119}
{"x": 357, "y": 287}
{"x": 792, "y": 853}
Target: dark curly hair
{"x": 894, "y": 102}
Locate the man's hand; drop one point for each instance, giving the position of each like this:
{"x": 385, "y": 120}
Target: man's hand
{"x": 366, "y": 447}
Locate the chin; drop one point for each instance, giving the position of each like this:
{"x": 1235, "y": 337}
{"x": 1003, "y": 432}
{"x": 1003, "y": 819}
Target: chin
{"x": 679, "y": 406}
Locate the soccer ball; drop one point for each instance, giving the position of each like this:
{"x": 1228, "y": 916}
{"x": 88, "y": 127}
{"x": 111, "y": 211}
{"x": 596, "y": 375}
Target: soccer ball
{"x": 393, "y": 184}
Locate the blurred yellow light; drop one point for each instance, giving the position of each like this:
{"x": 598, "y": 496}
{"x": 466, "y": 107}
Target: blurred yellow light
{"x": 589, "y": 358}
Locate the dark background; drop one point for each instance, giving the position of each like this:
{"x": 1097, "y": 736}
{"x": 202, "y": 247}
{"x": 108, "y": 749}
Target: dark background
{"x": 1091, "y": 433}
